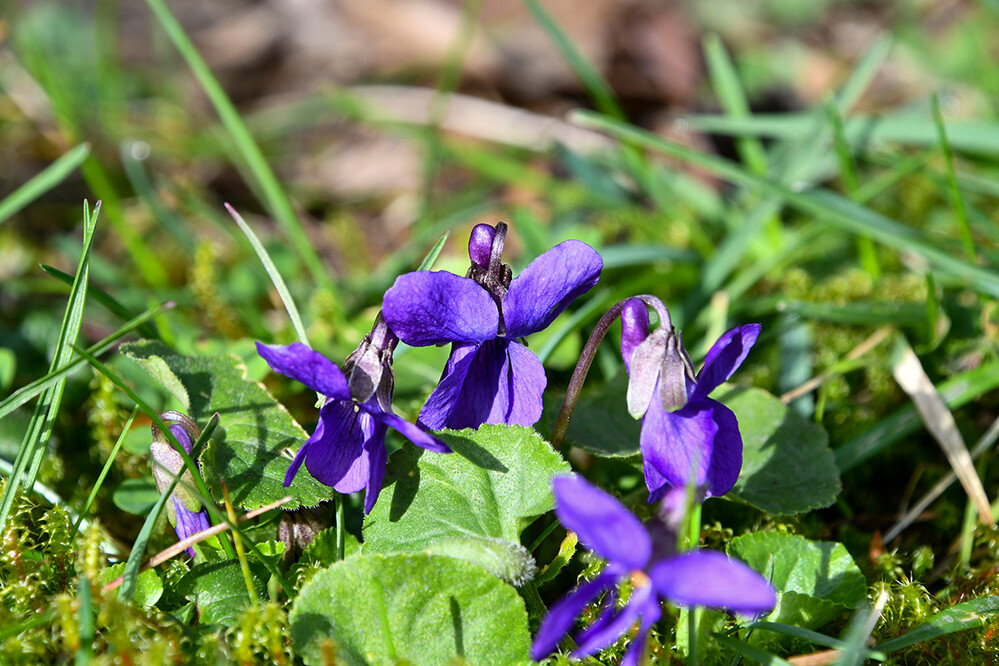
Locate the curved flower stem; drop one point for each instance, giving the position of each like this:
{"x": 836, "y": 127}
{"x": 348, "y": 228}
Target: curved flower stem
{"x": 586, "y": 360}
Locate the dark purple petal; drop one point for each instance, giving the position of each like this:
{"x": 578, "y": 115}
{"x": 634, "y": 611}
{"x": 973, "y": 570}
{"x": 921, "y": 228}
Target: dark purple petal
{"x": 562, "y": 615}
{"x": 335, "y": 456}
{"x": 634, "y": 328}
{"x": 296, "y": 464}
{"x": 548, "y": 285}
{"x": 702, "y": 438}
{"x": 437, "y": 410}
{"x": 603, "y": 524}
{"x": 499, "y": 381}
{"x": 306, "y": 366}
{"x": 724, "y": 358}
{"x": 614, "y": 623}
{"x": 432, "y": 308}
{"x": 412, "y": 432}
{"x": 189, "y": 523}
{"x": 376, "y": 454}
{"x": 707, "y": 578}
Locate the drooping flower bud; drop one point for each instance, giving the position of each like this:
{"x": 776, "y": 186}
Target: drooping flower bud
{"x": 646, "y": 365}
{"x": 677, "y": 377}
{"x": 369, "y": 367}
{"x": 167, "y": 462}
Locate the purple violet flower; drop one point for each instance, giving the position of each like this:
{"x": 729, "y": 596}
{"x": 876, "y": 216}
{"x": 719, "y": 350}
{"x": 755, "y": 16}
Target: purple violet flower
{"x": 490, "y": 377}
{"x": 684, "y": 431}
{"x": 185, "y": 512}
{"x": 656, "y": 572}
{"x": 347, "y": 449}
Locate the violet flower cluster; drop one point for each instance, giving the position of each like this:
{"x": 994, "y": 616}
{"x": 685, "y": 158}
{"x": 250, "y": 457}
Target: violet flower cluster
{"x": 490, "y": 376}
{"x": 347, "y": 448}
{"x": 656, "y": 571}
{"x": 686, "y": 436}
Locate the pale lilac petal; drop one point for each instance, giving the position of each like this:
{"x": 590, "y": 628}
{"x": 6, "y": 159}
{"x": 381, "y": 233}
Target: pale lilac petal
{"x": 335, "y": 455}
{"x": 376, "y": 454}
{"x": 436, "y": 412}
{"x": 706, "y": 578}
{"x": 702, "y": 437}
{"x": 634, "y": 328}
{"x": 603, "y": 524}
{"x": 724, "y": 358}
{"x": 499, "y": 381}
{"x": 309, "y": 367}
{"x": 614, "y": 623}
{"x": 562, "y": 615}
{"x": 548, "y": 285}
{"x": 432, "y": 308}
{"x": 412, "y": 432}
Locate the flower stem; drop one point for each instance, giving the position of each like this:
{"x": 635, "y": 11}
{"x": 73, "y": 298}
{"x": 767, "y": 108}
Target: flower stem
{"x": 341, "y": 525}
{"x": 586, "y": 360}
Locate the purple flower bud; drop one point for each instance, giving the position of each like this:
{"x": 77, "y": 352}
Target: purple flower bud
{"x": 185, "y": 512}
{"x": 480, "y": 244}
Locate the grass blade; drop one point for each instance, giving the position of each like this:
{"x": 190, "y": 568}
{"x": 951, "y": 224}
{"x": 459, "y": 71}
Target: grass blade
{"x": 823, "y": 204}
{"x": 32, "y": 450}
{"x": 104, "y": 472}
{"x": 275, "y": 275}
{"x": 48, "y": 178}
{"x": 728, "y": 89}
{"x": 26, "y": 393}
{"x": 274, "y": 196}
{"x": 939, "y": 420}
{"x": 957, "y": 201}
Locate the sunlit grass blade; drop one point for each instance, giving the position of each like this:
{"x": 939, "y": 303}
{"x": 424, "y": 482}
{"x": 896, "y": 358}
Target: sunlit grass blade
{"x": 728, "y": 89}
{"x": 104, "y": 298}
{"x": 431, "y": 258}
{"x": 956, "y": 199}
{"x": 273, "y": 273}
{"x": 26, "y": 393}
{"x": 32, "y": 449}
{"x": 861, "y": 626}
{"x": 595, "y": 84}
{"x": 823, "y": 204}
{"x": 49, "y": 177}
{"x": 965, "y": 615}
{"x": 957, "y": 391}
{"x": 939, "y": 421}
{"x": 274, "y": 196}
{"x": 104, "y": 472}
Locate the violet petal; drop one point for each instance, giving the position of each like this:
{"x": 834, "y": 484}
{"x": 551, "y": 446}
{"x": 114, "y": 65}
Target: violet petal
{"x": 412, "y": 432}
{"x": 336, "y": 458}
{"x": 309, "y": 367}
{"x": 548, "y": 285}
{"x": 603, "y": 524}
{"x": 724, "y": 358}
{"x": 707, "y": 578}
{"x": 614, "y": 623}
{"x": 431, "y": 308}
{"x": 376, "y": 455}
{"x": 702, "y": 438}
{"x": 436, "y": 412}
{"x": 562, "y": 615}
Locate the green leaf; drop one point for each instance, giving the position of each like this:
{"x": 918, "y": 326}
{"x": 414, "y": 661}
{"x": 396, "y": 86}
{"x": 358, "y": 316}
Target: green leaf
{"x": 787, "y": 465}
{"x": 148, "y": 586}
{"x": 816, "y": 581}
{"x": 498, "y": 479}
{"x": 417, "y": 608}
{"x": 219, "y": 590}
{"x": 135, "y": 496}
{"x": 257, "y": 429}
{"x": 966, "y": 615}
{"x": 322, "y": 550}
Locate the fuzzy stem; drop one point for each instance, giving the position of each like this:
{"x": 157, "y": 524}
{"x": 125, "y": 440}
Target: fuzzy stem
{"x": 586, "y": 360}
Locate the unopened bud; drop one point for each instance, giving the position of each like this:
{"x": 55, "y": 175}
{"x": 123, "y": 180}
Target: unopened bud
{"x": 677, "y": 374}
{"x": 646, "y": 364}
{"x": 168, "y": 463}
